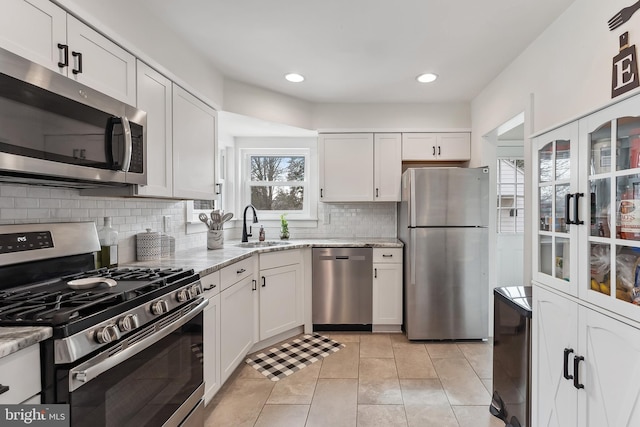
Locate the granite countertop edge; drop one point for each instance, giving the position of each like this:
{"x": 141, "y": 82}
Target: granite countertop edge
{"x": 15, "y": 338}
{"x": 206, "y": 261}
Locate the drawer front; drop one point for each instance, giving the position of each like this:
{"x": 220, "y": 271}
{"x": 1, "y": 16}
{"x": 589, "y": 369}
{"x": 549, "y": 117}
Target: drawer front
{"x": 233, "y": 273}
{"x": 388, "y": 255}
{"x": 211, "y": 284}
{"x": 20, "y": 372}
{"x": 280, "y": 258}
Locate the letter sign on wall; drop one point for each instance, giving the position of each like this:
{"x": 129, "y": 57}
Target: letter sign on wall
{"x": 624, "y": 75}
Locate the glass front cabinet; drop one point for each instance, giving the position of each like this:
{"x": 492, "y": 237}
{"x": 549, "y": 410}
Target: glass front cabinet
{"x": 587, "y": 207}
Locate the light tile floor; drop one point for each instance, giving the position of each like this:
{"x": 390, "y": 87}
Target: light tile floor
{"x": 376, "y": 380}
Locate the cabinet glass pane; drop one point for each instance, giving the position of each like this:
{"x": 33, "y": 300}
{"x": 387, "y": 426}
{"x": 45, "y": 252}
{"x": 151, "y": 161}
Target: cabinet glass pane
{"x": 600, "y": 267}
{"x": 562, "y": 258}
{"x": 545, "y": 204}
{"x": 546, "y": 255}
{"x": 545, "y": 168}
{"x": 628, "y": 153}
{"x": 561, "y": 207}
{"x": 563, "y": 159}
{"x": 600, "y": 208}
{"x": 628, "y": 274}
{"x": 600, "y": 153}
{"x": 628, "y": 206}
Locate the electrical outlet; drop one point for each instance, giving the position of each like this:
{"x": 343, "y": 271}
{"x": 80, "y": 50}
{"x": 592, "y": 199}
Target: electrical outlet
{"x": 327, "y": 218}
{"x": 166, "y": 223}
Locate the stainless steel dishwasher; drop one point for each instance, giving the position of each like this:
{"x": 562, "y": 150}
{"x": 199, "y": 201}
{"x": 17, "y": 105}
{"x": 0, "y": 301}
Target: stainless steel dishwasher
{"x": 342, "y": 289}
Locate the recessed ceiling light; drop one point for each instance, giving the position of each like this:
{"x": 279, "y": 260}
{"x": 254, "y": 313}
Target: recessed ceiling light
{"x": 426, "y": 78}
{"x": 294, "y": 78}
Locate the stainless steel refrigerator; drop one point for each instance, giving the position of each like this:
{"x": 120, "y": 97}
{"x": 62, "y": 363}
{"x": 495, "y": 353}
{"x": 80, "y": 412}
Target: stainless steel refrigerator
{"x": 442, "y": 220}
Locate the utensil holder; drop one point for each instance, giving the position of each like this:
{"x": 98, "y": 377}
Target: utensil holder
{"x": 215, "y": 239}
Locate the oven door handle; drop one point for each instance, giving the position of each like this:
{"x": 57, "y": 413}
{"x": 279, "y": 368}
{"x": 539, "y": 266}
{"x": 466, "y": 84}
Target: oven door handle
{"x": 84, "y": 373}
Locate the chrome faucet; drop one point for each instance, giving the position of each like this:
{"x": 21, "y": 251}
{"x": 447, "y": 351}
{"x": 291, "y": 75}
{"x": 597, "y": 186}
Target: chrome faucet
{"x": 245, "y": 235}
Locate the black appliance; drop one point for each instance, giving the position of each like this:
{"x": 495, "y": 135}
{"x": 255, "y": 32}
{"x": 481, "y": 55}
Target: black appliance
{"x": 512, "y": 355}
{"x": 127, "y": 342}
{"x": 53, "y": 128}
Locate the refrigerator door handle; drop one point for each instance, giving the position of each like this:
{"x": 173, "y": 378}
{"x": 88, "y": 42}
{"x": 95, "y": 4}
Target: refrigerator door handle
{"x": 412, "y": 261}
{"x": 412, "y": 198}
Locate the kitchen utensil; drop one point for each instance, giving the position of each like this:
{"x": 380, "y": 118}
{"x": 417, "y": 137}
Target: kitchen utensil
{"x": 623, "y": 16}
{"x": 90, "y": 282}
{"x": 216, "y": 217}
{"x": 226, "y": 217}
{"x": 204, "y": 218}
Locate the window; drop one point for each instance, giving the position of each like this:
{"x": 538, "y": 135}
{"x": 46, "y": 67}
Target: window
{"x": 276, "y": 181}
{"x": 510, "y": 195}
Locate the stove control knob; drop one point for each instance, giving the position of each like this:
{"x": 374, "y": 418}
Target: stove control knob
{"x": 107, "y": 334}
{"x": 183, "y": 295}
{"x": 128, "y": 322}
{"x": 195, "y": 290}
{"x": 159, "y": 307}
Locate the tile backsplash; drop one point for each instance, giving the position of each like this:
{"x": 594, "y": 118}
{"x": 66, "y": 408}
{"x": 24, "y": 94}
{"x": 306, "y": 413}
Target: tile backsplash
{"x": 130, "y": 216}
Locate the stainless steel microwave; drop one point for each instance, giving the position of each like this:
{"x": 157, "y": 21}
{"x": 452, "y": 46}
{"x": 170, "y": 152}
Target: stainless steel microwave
{"x": 53, "y": 128}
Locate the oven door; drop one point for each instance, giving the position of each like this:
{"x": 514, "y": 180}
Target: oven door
{"x": 154, "y": 381}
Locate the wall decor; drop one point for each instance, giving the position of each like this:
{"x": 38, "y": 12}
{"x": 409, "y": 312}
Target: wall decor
{"x": 624, "y": 75}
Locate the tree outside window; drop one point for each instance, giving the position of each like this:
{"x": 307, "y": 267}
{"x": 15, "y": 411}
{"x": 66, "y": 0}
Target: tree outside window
{"x": 277, "y": 182}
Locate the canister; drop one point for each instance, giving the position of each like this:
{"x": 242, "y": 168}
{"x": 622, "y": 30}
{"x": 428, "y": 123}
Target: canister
{"x": 148, "y": 245}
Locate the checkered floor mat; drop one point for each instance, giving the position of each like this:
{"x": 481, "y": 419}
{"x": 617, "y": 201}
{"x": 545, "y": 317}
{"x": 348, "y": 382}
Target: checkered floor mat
{"x": 284, "y": 360}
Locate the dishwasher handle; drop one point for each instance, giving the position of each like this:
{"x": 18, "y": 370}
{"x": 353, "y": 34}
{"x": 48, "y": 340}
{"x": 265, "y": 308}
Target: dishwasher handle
{"x": 342, "y": 257}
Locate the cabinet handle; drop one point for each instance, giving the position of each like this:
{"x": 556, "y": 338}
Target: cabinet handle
{"x": 377, "y": 195}
{"x": 254, "y": 284}
{"x": 65, "y": 55}
{"x": 387, "y": 255}
{"x": 264, "y": 281}
{"x": 242, "y": 270}
{"x": 576, "y": 363}
{"x": 79, "y": 56}
{"x": 438, "y": 150}
{"x": 434, "y": 150}
{"x": 375, "y": 273}
{"x": 210, "y": 287}
{"x": 575, "y": 207}
{"x": 567, "y": 352}
{"x": 4, "y": 388}
{"x": 321, "y": 193}
{"x": 567, "y": 214}
{"x": 218, "y": 188}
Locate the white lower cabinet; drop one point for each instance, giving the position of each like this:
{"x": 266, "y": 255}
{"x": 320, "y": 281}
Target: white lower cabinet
{"x": 211, "y": 331}
{"x": 585, "y": 370}
{"x": 281, "y": 292}
{"x": 20, "y": 373}
{"x": 387, "y": 289}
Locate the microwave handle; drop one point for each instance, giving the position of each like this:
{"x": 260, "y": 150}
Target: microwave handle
{"x": 128, "y": 144}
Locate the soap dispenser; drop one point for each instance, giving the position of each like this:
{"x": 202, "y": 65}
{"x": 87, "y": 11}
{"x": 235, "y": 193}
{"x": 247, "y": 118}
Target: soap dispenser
{"x": 261, "y": 235}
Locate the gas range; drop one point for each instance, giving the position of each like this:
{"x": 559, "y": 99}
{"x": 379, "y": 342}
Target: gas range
{"x": 129, "y": 322}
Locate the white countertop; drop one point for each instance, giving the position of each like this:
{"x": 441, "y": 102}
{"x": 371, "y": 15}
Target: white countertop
{"x": 205, "y": 261}
{"x": 15, "y": 338}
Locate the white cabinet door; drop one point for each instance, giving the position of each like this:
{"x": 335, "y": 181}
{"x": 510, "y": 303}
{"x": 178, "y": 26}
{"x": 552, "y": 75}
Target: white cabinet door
{"x": 212, "y": 348}
{"x": 236, "y": 325}
{"x": 154, "y": 97}
{"x": 609, "y": 372}
{"x": 387, "y": 294}
{"x": 33, "y": 29}
{"x": 555, "y": 254}
{"x": 346, "y": 167}
{"x": 20, "y": 372}
{"x": 454, "y": 146}
{"x": 99, "y": 63}
{"x": 555, "y": 323}
{"x": 388, "y": 166}
{"x": 281, "y": 300}
{"x": 194, "y": 147}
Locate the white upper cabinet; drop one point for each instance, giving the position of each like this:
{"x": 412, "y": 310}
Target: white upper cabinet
{"x": 455, "y": 146}
{"x": 45, "y": 34}
{"x": 194, "y": 147}
{"x": 360, "y": 167}
{"x": 154, "y": 97}
{"x": 388, "y": 167}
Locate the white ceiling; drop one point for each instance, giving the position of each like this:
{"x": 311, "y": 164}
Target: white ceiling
{"x": 361, "y": 50}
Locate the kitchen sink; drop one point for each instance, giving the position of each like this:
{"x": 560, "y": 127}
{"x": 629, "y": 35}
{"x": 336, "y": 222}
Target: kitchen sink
{"x": 264, "y": 244}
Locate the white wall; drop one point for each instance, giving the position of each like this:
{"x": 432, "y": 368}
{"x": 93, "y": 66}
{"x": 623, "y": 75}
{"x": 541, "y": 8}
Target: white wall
{"x": 131, "y": 26}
